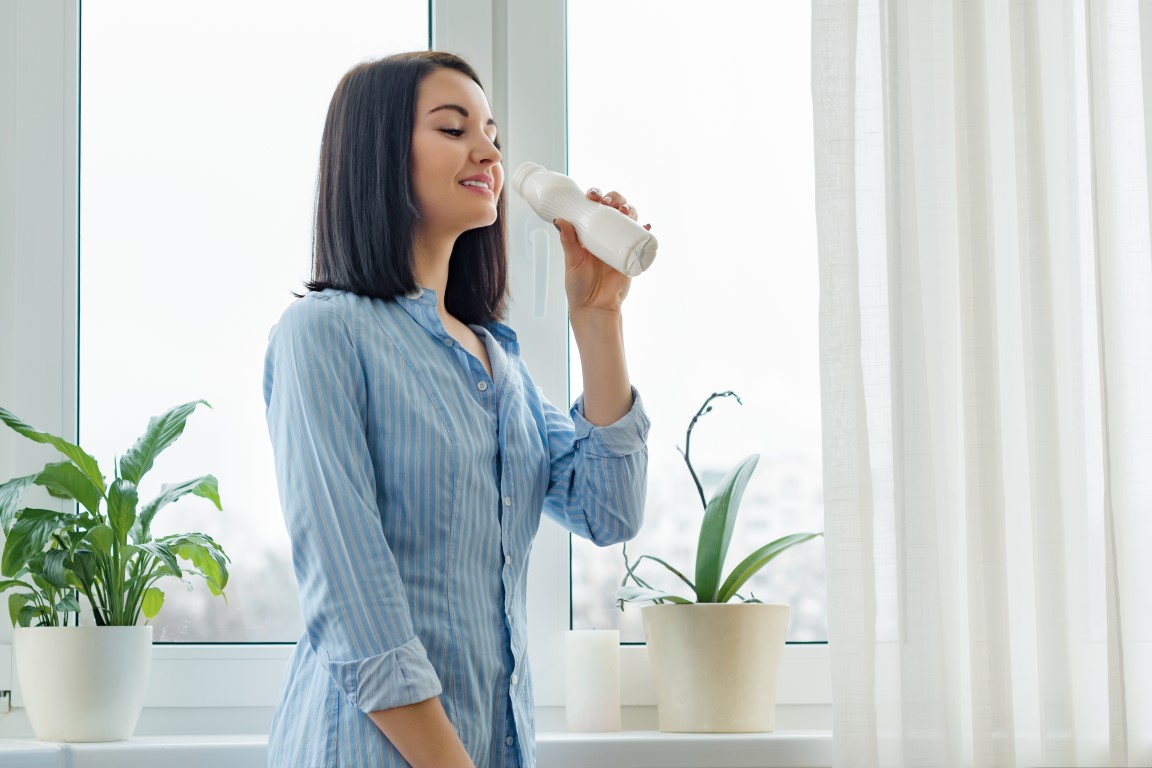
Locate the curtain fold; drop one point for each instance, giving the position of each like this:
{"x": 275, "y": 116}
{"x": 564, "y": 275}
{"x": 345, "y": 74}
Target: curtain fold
{"x": 985, "y": 255}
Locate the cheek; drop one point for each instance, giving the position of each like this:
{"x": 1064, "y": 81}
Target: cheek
{"x": 498, "y": 180}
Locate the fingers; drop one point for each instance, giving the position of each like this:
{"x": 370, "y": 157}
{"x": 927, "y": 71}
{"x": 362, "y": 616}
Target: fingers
{"x": 566, "y": 230}
{"x": 613, "y": 199}
{"x": 573, "y": 252}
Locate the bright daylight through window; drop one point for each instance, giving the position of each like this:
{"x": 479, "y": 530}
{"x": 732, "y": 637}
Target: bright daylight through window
{"x": 707, "y": 129}
{"x": 196, "y": 186}
{"x": 196, "y": 194}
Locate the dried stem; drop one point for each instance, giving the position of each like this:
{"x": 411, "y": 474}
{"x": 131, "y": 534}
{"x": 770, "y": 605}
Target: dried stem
{"x": 706, "y": 408}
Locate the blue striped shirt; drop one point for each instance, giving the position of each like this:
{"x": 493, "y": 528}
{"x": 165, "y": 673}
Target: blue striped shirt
{"x": 412, "y": 485}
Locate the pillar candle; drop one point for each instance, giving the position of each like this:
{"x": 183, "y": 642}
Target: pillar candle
{"x": 592, "y": 702}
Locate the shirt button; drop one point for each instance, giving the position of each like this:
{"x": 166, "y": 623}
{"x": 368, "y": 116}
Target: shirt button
{"x": 509, "y": 740}
{"x": 481, "y": 385}
{"x": 507, "y": 559}
{"x": 514, "y": 679}
{"x": 448, "y": 342}
{"x": 507, "y": 501}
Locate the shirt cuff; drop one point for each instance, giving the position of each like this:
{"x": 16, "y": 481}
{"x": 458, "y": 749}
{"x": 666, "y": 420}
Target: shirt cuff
{"x": 397, "y": 678}
{"x": 627, "y": 435}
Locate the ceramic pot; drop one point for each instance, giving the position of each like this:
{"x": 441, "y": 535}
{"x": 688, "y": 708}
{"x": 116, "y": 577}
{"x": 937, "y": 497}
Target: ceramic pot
{"x": 715, "y": 665}
{"x": 83, "y": 683}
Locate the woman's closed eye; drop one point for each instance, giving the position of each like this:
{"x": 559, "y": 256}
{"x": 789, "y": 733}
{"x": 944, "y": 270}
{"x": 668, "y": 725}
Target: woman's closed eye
{"x": 458, "y": 132}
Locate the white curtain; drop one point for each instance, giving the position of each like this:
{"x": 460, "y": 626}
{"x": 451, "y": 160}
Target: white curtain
{"x": 986, "y": 344}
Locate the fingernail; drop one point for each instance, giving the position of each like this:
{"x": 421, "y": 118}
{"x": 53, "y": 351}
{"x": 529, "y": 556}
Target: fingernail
{"x": 595, "y": 191}
{"x": 625, "y": 207}
{"x": 555, "y": 225}
{"x": 608, "y": 199}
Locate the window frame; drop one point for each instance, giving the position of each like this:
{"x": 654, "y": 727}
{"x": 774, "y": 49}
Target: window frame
{"x": 519, "y": 49}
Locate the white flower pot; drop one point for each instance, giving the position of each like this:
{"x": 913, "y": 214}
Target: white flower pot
{"x": 83, "y": 683}
{"x": 715, "y": 665}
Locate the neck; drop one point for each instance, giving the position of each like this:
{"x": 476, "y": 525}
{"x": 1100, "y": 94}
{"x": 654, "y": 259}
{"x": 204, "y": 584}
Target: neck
{"x": 430, "y": 258}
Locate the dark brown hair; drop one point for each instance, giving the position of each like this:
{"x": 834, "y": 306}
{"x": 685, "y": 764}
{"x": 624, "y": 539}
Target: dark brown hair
{"x": 366, "y": 210}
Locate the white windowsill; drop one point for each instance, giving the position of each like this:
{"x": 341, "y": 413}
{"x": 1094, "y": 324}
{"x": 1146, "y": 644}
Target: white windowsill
{"x": 627, "y": 749}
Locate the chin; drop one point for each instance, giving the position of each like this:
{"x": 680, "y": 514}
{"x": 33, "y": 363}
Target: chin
{"x": 481, "y": 223}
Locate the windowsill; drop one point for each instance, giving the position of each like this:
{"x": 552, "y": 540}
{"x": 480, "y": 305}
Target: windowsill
{"x": 236, "y": 737}
{"x": 630, "y": 749}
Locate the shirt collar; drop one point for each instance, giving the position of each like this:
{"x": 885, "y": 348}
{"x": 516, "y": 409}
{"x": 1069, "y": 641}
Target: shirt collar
{"x": 420, "y": 303}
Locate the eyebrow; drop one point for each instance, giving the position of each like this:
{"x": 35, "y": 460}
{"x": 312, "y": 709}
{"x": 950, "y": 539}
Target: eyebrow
{"x": 458, "y": 108}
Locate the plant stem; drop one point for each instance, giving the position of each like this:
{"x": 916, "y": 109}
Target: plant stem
{"x": 688, "y": 439}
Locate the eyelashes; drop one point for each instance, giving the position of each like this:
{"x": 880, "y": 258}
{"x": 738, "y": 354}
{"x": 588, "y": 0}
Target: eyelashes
{"x": 457, "y": 133}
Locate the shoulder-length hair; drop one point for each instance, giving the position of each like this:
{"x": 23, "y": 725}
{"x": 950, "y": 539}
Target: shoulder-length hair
{"x": 366, "y": 210}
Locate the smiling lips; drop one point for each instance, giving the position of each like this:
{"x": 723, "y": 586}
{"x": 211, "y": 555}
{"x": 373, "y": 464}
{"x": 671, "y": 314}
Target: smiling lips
{"x": 480, "y": 182}
{"x": 478, "y": 185}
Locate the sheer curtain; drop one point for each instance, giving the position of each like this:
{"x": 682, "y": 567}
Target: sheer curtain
{"x": 986, "y": 342}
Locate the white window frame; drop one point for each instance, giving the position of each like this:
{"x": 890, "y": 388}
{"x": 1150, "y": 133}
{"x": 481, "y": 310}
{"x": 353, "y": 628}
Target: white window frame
{"x": 519, "y": 49}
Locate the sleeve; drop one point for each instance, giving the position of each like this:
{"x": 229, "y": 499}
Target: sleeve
{"x": 354, "y": 603}
{"x": 598, "y": 476}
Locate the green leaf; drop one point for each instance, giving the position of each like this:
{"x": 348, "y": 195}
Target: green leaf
{"x": 29, "y": 612}
{"x": 16, "y": 603}
{"x": 101, "y": 537}
{"x": 31, "y": 531}
{"x": 86, "y": 463}
{"x": 716, "y": 529}
{"x": 682, "y": 577}
{"x": 54, "y": 573}
{"x": 633, "y": 594}
{"x": 164, "y": 553}
{"x": 162, "y": 432}
{"x": 153, "y": 600}
{"x": 757, "y": 560}
{"x": 68, "y": 605}
{"x": 10, "y": 494}
{"x": 205, "y": 554}
{"x": 65, "y": 481}
{"x": 122, "y": 500}
{"x": 84, "y": 567}
{"x": 205, "y": 487}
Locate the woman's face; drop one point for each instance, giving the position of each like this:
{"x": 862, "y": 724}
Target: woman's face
{"x": 456, "y": 171}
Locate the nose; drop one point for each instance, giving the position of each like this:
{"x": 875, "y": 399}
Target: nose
{"x": 486, "y": 152}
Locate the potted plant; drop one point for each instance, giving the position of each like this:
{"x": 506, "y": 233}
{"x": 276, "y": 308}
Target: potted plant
{"x": 714, "y": 662}
{"x": 87, "y": 683}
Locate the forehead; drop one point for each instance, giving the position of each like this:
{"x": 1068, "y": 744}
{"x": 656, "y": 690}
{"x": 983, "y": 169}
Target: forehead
{"x": 447, "y": 86}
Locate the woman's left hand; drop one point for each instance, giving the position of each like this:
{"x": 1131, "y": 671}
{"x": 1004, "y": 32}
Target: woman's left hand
{"x": 589, "y": 282}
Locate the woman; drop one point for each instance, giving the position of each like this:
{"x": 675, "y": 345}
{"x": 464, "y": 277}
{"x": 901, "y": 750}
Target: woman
{"x": 414, "y": 454}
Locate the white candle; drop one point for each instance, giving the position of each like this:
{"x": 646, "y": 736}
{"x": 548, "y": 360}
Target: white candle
{"x": 592, "y": 703}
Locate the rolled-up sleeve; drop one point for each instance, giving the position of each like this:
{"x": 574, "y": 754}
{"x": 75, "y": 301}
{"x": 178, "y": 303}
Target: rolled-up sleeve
{"x": 354, "y": 603}
{"x": 598, "y": 475}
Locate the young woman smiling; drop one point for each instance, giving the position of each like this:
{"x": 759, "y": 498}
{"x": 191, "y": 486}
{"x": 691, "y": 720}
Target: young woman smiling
{"x": 414, "y": 454}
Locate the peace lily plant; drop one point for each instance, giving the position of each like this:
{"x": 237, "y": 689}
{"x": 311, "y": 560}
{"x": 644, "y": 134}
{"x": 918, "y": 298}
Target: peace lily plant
{"x": 715, "y": 536}
{"x": 104, "y": 549}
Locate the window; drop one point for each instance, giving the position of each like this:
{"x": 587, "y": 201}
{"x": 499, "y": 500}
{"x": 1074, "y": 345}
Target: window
{"x": 240, "y": 96}
{"x": 200, "y": 136}
{"x": 707, "y": 128}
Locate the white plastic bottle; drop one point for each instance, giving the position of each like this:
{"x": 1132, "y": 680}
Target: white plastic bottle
{"x": 609, "y": 235}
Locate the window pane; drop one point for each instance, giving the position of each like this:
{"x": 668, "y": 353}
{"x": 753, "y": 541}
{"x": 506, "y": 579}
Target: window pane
{"x": 707, "y": 127}
{"x": 200, "y": 135}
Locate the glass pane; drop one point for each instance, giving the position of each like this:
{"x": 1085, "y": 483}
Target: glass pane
{"x": 707, "y": 127}
{"x": 200, "y": 136}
